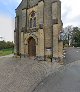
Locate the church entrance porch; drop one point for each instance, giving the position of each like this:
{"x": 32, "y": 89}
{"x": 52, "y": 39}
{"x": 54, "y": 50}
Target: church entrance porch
{"x": 31, "y": 47}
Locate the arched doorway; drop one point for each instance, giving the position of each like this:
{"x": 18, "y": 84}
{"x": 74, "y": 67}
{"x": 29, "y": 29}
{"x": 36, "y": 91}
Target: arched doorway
{"x": 31, "y": 47}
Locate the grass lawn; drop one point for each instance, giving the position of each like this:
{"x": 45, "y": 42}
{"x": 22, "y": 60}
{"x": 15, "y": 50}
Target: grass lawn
{"x": 6, "y": 52}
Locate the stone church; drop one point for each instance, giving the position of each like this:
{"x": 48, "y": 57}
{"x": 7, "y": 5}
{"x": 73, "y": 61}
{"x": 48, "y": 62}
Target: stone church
{"x": 38, "y": 29}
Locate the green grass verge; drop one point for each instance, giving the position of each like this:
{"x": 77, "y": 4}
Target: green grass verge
{"x": 6, "y": 52}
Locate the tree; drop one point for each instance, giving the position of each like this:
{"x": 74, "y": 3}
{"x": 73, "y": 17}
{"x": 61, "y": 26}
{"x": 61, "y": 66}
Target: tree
{"x": 72, "y": 36}
{"x": 6, "y": 45}
{"x": 68, "y": 35}
{"x": 76, "y": 37}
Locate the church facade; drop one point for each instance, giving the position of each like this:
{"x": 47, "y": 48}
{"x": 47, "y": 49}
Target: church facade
{"x": 38, "y": 29}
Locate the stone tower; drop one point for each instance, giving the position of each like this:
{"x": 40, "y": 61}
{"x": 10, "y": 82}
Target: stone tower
{"x": 38, "y": 29}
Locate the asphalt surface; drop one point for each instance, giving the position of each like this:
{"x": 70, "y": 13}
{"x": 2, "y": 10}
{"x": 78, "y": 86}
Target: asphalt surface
{"x": 72, "y": 55}
{"x": 66, "y": 80}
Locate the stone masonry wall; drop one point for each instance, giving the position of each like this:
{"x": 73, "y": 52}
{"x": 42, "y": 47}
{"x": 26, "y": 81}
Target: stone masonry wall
{"x": 47, "y": 26}
{"x": 47, "y": 11}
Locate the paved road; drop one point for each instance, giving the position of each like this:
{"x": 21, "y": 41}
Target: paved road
{"x": 67, "y": 80}
{"x": 72, "y": 54}
{"x": 11, "y": 55}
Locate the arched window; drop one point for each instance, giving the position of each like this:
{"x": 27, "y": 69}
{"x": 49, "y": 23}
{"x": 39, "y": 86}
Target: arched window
{"x": 34, "y": 22}
{"x": 32, "y": 19}
{"x": 30, "y": 22}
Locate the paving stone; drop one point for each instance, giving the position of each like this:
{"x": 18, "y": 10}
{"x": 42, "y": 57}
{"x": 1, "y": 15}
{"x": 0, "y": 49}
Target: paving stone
{"x": 23, "y": 75}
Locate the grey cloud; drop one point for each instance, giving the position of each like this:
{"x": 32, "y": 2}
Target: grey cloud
{"x": 65, "y": 14}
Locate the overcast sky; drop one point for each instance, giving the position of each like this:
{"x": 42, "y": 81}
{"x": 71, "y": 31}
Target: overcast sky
{"x": 70, "y": 16}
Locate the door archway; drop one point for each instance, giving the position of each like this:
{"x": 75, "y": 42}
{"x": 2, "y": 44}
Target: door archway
{"x": 31, "y": 47}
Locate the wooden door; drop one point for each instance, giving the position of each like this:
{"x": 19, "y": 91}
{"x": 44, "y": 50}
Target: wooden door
{"x": 31, "y": 47}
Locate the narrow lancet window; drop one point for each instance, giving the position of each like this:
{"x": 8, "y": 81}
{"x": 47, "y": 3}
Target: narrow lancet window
{"x": 30, "y": 22}
{"x": 34, "y": 22}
